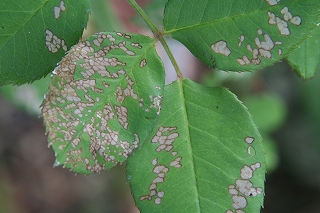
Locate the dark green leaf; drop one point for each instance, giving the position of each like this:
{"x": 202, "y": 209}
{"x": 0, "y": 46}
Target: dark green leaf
{"x": 205, "y": 155}
{"x": 34, "y": 36}
{"x": 104, "y": 99}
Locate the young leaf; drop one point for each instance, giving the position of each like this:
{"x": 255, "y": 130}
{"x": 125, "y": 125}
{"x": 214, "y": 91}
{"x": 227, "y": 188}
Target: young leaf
{"x": 34, "y": 36}
{"x": 240, "y": 35}
{"x": 205, "y": 155}
{"x": 305, "y": 59}
{"x": 104, "y": 99}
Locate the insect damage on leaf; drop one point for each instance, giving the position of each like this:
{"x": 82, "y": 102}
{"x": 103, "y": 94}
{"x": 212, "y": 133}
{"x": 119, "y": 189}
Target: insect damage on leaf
{"x": 221, "y": 47}
{"x": 263, "y": 49}
{"x": 243, "y": 188}
{"x": 143, "y": 63}
{"x": 263, "y": 46}
{"x": 86, "y": 110}
{"x": 165, "y": 139}
{"x": 53, "y": 43}
{"x": 282, "y": 24}
{"x": 273, "y": 2}
{"x": 57, "y": 10}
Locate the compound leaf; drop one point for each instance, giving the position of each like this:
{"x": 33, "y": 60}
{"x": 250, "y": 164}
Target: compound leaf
{"x": 34, "y": 36}
{"x": 104, "y": 99}
{"x": 240, "y": 35}
{"x": 204, "y": 155}
{"x": 305, "y": 60}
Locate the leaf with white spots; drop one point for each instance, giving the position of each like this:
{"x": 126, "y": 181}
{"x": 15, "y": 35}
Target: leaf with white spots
{"x": 240, "y": 35}
{"x": 305, "y": 60}
{"x": 104, "y": 99}
{"x": 204, "y": 155}
{"x": 34, "y": 36}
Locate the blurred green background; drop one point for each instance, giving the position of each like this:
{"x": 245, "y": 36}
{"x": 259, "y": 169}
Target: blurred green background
{"x": 285, "y": 109}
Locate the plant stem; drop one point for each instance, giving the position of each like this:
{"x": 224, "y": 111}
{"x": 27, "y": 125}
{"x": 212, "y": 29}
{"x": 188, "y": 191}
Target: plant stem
{"x": 158, "y": 35}
{"x": 172, "y": 59}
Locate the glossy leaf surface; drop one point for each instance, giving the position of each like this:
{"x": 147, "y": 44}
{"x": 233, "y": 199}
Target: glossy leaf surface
{"x": 240, "y": 35}
{"x": 204, "y": 155}
{"x": 103, "y": 101}
{"x": 34, "y": 36}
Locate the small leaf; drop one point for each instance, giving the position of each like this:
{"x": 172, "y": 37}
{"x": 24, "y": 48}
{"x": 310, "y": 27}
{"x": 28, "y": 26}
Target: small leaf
{"x": 205, "y": 155}
{"x": 34, "y": 36}
{"x": 104, "y": 99}
{"x": 305, "y": 60}
{"x": 240, "y": 35}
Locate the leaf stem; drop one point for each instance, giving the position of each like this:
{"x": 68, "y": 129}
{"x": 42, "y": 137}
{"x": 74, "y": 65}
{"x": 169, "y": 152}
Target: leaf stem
{"x": 172, "y": 59}
{"x": 156, "y": 32}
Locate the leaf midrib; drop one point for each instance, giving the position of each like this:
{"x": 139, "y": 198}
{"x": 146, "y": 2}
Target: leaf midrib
{"x": 184, "y": 108}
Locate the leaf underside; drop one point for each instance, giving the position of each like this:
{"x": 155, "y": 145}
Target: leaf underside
{"x": 240, "y": 35}
{"x": 305, "y": 60}
{"x": 104, "y": 99}
{"x": 204, "y": 155}
{"x": 34, "y": 36}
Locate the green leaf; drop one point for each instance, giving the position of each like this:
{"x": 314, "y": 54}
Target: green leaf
{"x": 240, "y": 35}
{"x": 205, "y": 155}
{"x": 305, "y": 60}
{"x": 104, "y": 99}
{"x": 34, "y": 36}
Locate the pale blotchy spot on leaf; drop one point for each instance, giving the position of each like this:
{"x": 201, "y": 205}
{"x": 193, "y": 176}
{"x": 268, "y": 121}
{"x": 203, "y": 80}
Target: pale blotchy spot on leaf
{"x": 143, "y": 63}
{"x": 156, "y": 102}
{"x": 128, "y": 91}
{"x": 273, "y": 2}
{"x": 237, "y": 211}
{"x": 287, "y": 16}
{"x": 166, "y": 140}
{"x": 221, "y": 47}
{"x": 57, "y": 10}
{"x": 136, "y": 45}
{"x": 241, "y": 39}
{"x": 100, "y": 38}
{"x": 244, "y": 60}
{"x": 251, "y": 151}
{"x": 122, "y": 114}
{"x": 243, "y": 188}
{"x": 160, "y": 172}
{"x": 124, "y": 35}
{"x": 263, "y": 49}
{"x": 53, "y": 43}
{"x": 249, "y": 140}
{"x": 176, "y": 162}
{"x": 282, "y": 24}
